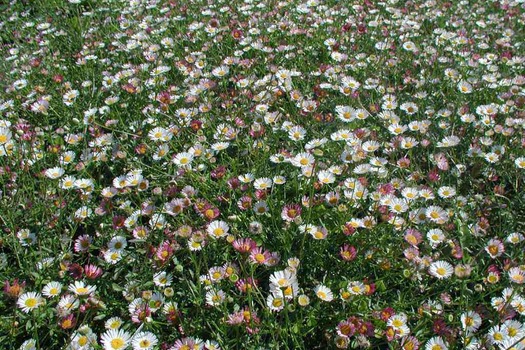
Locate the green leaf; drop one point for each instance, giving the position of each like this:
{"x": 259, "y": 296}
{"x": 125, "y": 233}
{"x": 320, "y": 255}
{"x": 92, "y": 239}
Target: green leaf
{"x": 116, "y": 287}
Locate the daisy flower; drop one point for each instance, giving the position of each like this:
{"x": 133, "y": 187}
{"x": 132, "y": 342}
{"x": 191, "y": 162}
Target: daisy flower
{"x": 117, "y": 243}
{"x": 283, "y": 279}
{"x": 446, "y": 192}
{"x": 160, "y": 134}
{"x": 496, "y": 334}
{"x": 54, "y": 173}
{"x": 449, "y": 141}
{"x": 115, "y": 339}
{"x": 211, "y": 345}
{"x": 495, "y": 248}
{"x": 162, "y": 279}
{"x": 356, "y": 288}
{"x": 518, "y": 303}
{"x": 324, "y": 293}
{"x": 67, "y": 182}
{"x": 52, "y": 289}
{"x": 436, "y": 343}
{"x": 113, "y": 323}
{"x": 441, "y": 269}
{"x": 217, "y": 229}
{"x": 319, "y": 233}
{"x": 345, "y": 113}
{"x": 183, "y": 159}
{"x": 215, "y": 297}
{"x": 220, "y": 146}
{"x": 83, "y": 339}
{"x": 303, "y": 160}
{"x": 435, "y": 237}
{"x": 83, "y": 212}
{"x": 188, "y": 343}
{"x": 520, "y": 162}
{"x": 275, "y": 303}
{"x": 144, "y": 341}
{"x": 279, "y": 180}
{"x": 370, "y": 146}
{"x": 29, "y": 301}
{"x": 303, "y": 300}
{"x": 262, "y": 183}
{"x": 29, "y": 344}
{"x": 464, "y": 87}
{"x": 516, "y": 275}
{"x": 470, "y": 321}
{"x": 5, "y": 135}
{"x": 492, "y": 157}
{"x": 81, "y": 289}
{"x": 398, "y": 205}
{"x": 515, "y": 238}
{"x": 410, "y": 193}
{"x": 437, "y": 214}
{"x": 246, "y": 178}
{"x": 326, "y": 177}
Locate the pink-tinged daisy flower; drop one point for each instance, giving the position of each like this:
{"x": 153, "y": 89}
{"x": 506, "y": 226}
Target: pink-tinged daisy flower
{"x": 413, "y": 237}
{"x": 260, "y": 256}
{"x": 347, "y": 252}
{"x": 517, "y": 275}
{"x": 83, "y": 243}
{"x": 244, "y": 245}
{"x": 290, "y": 212}
{"x": 495, "y": 248}
{"x": 188, "y": 343}
{"x": 346, "y": 329}
{"x": 92, "y": 271}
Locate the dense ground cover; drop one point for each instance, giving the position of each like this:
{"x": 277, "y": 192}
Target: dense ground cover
{"x": 262, "y": 174}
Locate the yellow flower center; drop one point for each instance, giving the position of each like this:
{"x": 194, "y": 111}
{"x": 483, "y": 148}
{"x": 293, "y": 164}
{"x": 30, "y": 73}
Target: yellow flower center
{"x": 31, "y": 303}
{"x": 82, "y": 340}
{"x": 117, "y": 343}
{"x": 82, "y": 290}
